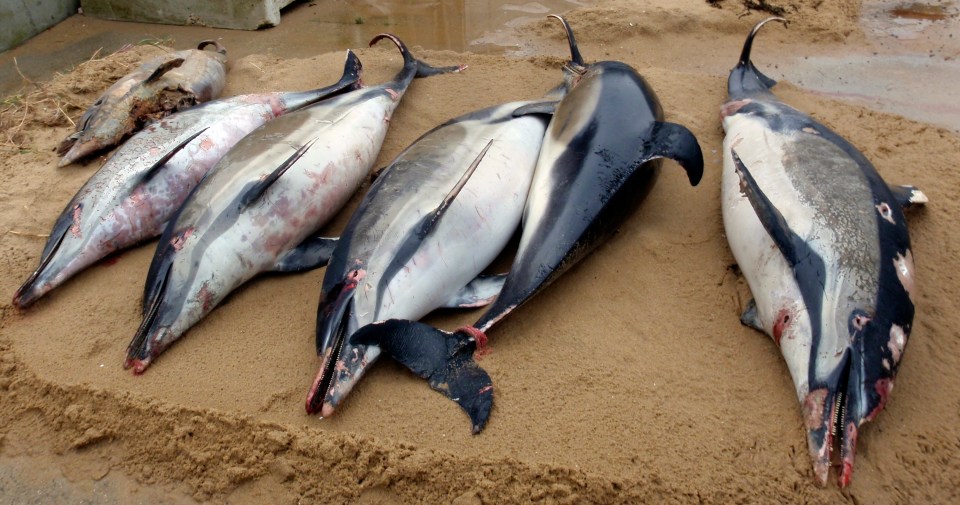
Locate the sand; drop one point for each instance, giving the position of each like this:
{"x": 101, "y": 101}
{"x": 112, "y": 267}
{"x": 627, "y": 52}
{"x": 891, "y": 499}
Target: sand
{"x": 628, "y": 380}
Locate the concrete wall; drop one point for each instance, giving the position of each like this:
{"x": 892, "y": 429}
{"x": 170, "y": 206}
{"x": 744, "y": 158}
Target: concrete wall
{"x": 22, "y": 19}
{"x": 237, "y": 14}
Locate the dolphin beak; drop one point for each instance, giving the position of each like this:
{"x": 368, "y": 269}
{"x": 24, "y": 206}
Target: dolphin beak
{"x": 855, "y": 393}
{"x": 79, "y": 150}
{"x": 340, "y": 369}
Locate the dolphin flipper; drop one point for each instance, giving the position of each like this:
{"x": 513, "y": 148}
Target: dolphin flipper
{"x": 479, "y": 292}
{"x": 445, "y": 359}
{"x": 908, "y": 196}
{"x": 546, "y": 107}
{"x": 164, "y": 68}
{"x": 751, "y": 317}
{"x": 312, "y": 253}
{"x": 670, "y": 140}
{"x": 257, "y": 190}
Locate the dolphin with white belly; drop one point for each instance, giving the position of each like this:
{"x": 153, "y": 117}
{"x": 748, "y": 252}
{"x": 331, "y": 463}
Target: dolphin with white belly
{"x": 823, "y": 244}
{"x": 135, "y": 193}
{"x": 430, "y": 224}
{"x": 600, "y": 155}
{"x": 259, "y": 207}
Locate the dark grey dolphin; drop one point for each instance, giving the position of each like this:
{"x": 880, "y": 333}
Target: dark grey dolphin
{"x": 823, "y": 244}
{"x": 259, "y": 208}
{"x": 600, "y": 156}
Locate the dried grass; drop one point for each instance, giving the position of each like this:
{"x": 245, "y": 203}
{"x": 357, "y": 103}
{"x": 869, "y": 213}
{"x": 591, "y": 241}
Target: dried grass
{"x": 62, "y": 100}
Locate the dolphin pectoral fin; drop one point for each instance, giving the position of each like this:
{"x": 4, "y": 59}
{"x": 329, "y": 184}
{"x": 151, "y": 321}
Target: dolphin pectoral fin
{"x": 751, "y": 317}
{"x": 164, "y": 68}
{"x": 670, "y": 140}
{"x": 546, "y": 107}
{"x": 478, "y": 292}
{"x": 258, "y": 189}
{"x": 312, "y": 253}
{"x": 445, "y": 359}
{"x": 908, "y": 196}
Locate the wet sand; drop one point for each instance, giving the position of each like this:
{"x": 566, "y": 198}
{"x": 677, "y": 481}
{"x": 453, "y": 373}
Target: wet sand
{"x": 628, "y": 380}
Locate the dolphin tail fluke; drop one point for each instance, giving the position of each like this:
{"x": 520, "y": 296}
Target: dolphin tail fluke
{"x": 412, "y": 64}
{"x": 746, "y": 77}
{"x": 677, "y": 143}
{"x": 445, "y": 359}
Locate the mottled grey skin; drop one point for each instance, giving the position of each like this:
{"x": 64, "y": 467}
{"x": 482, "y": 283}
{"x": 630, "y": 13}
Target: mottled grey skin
{"x": 165, "y": 84}
{"x": 132, "y": 196}
{"x": 263, "y": 202}
{"x": 845, "y": 250}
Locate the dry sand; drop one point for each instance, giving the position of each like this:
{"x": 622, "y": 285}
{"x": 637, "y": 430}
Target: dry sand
{"x": 628, "y": 380}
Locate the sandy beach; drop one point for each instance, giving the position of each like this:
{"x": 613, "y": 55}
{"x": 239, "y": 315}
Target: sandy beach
{"x": 629, "y": 380}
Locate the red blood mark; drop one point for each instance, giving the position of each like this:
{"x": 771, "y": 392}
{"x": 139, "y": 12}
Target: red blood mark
{"x": 181, "y": 239}
{"x": 783, "y": 319}
{"x": 479, "y": 337}
{"x": 883, "y": 387}
{"x": 76, "y": 214}
{"x": 813, "y": 405}
{"x": 205, "y": 297}
{"x": 111, "y": 260}
{"x": 154, "y": 151}
{"x": 393, "y": 94}
{"x": 206, "y": 144}
{"x": 851, "y": 449}
{"x": 484, "y": 389}
{"x": 731, "y": 108}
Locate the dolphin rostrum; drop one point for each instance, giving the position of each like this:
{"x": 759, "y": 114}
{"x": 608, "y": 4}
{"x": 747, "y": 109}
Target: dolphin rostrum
{"x": 167, "y": 83}
{"x": 259, "y": 207}
{"x": 600, "y": 156}
{"x": 822, "y": 242}
{"x": 135, "y": 193}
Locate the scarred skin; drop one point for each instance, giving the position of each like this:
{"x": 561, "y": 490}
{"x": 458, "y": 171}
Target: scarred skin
{"x": 823, "y": 244}
{"x": 135, "y": 193}
{"x": 224, "y": 235}
{"x": 165, "y": 84}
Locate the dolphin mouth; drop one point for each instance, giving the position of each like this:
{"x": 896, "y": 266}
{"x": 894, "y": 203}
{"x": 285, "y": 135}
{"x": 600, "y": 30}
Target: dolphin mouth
{"x": 321, "y": 388}
{"x": 832, "y": 423}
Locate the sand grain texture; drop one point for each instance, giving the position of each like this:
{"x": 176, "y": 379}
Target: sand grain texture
{"x": 628, "y": 380}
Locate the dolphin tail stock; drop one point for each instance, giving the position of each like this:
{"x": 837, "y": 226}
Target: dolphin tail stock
{"x": 350, "y": 80}
{"x": 670, "y": 140}
{"x": 411, "y": 65}
{"x": 443, "y": 358}
{"x": 745, "y": 77}
{"x": 575, "y": 57}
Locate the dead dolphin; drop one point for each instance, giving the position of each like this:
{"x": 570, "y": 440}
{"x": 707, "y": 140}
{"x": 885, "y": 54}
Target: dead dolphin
{"x": 600, "y": 155}
{"x": 257, "y": 209}
{"x": 133, "y": 195}
{"x": 164, "y": 84}
{"x": 824, "y": 247}
{"x": 438, "y": 215}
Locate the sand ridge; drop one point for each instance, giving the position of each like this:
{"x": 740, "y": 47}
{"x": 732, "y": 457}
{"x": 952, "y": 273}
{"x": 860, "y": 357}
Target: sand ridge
{"x": 628, "y": 380}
